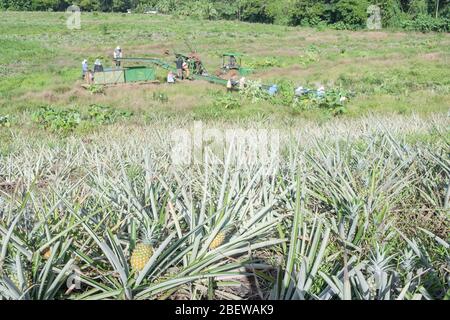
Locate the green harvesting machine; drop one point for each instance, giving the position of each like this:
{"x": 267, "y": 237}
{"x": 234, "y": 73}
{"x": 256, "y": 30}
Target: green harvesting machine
{"x": 233, "y": 61}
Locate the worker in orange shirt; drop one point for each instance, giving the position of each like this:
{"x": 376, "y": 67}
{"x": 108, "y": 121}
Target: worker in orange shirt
{"x": 186, "y": 70}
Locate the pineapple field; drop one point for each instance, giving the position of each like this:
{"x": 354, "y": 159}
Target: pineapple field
{"x": 156, "y": 192}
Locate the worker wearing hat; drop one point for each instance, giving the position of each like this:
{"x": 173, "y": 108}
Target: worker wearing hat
{"x": 117, "y": 54}
{"x": 84, "y": 68}
{"x": 98, "y": 67}
{"x": 179, "y": 64}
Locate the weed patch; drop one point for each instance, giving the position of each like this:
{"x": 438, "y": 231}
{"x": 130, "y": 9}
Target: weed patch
{"x": 160, "y": 97}
{"x": 106, "y": 115}
{"x": 65, "y": 121}
{"x": 57, "y": 120}
{"x": 227, "y": 101}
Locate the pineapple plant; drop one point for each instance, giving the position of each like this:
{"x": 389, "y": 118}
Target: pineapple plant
{"x": 13, "y": 274}
{"x": 144, "y": 249}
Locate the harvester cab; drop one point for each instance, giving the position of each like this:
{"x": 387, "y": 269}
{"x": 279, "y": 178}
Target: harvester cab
{"x": 231, "y": 61}
{"x": 232, "y": 65}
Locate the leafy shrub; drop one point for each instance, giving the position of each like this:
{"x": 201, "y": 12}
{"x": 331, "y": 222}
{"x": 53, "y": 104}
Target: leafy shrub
{"x": 333, "y": 100}
{"x": 309, "y": 13}
{"x": 106, "y": 115}
{"x": 311, "y": 55}
{"x": 342, "y": 26}
{"x": 227, "y": 102}
{"x": 67, "y": 120}
{"x": 96, "y": 89}
{"x": 285, "y": 95}
{"x": 426, "y": 23}
{"x": 57, "y": 120}
{"x": 262, "y": 63}
{"x": 253, "y": 91}
{"x": 352, "y": 13}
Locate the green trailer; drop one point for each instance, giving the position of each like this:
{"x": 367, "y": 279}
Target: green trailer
{"x": 111, "y": 76}
{"x": 139, "y": 74}
{"x": 126, "y": 75}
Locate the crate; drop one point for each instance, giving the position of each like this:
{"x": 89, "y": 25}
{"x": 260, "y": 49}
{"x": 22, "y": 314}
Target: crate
{"x": 137, "y": 74}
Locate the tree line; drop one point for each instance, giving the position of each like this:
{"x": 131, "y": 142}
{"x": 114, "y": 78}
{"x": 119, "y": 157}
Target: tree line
{"x": 422, "y": 15}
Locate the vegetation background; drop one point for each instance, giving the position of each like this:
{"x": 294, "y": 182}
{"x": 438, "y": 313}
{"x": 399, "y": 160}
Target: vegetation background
{"x": 422, "y": 15}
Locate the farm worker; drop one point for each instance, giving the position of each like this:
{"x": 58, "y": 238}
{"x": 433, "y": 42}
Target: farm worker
{"x": 299, "y": 91}
{"x": 98, "y": 67}
{"x": 186, "y": 69}
{"x": 180, "y": 68}
{"x": 273, "y": 90}
{"x": 84, "y": 68}
{"x": 171, "y": 78}
{"x": 117, "y": 55}
{"x": 232, "y": 62}
{"x": 321, "y": 92}
{"x": 242, "y": 83}
{"x": 89, "y": 77}
{"x": 229, "y": 85}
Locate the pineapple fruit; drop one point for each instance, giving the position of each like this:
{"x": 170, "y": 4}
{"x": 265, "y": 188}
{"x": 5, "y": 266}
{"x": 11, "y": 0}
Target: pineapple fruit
{"x": 47, "y": 254}
{"x": 140, "y": 256}
{"x": 14, "y": 277}
{"x": 218, "y": 241}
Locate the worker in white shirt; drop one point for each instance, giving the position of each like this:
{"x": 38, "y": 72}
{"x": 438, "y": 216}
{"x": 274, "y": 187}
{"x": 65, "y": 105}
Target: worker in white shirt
{"x": 171, "y": 78}
{"x": 84, "y": 68}
{"x": 118, "y": 54}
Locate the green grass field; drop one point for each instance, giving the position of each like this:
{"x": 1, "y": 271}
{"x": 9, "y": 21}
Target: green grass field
{"x": 354, "y": 206}
{"x": 388, "y": 71}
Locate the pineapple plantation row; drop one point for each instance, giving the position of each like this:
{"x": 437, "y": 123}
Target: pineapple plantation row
{"x": 352, "y": 210}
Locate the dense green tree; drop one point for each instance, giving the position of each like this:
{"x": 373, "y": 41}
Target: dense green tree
{"x": 309, "y": 12}
{"x": 19, "y": 5}
{"x": 256, "y": 11}
{"x": 228, "y": 9}
{"x": 418, "y": 7}
{"x": 280, "y": 11}
{"x": 391, "y": 12}
{"x": 120, "y": 5}
{"x": 43, "y": 5}
{"x": 350, "y": 12}
{"x": 89, "y": 5}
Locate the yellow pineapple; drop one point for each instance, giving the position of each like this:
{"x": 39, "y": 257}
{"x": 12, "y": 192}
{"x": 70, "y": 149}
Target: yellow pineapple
{"x": 47, "y": 254}
{"x": 218, "y": 241}
{"x": 140, "y": 256}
